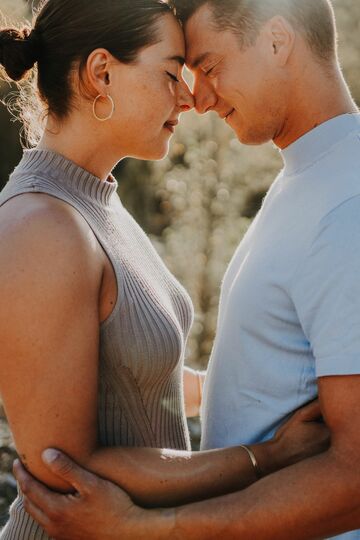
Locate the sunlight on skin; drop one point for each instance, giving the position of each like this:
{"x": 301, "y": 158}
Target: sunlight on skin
{"x": 171, "y": 455}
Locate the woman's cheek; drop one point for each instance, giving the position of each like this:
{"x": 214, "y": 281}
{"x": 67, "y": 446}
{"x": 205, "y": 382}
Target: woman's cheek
{"x": 172, "y": 89}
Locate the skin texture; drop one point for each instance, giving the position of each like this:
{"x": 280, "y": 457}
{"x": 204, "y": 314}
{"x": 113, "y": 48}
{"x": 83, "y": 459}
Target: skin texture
{"x": 252, "y": 83}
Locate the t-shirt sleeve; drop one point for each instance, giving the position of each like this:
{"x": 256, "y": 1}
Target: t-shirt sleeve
{"x": 326, "y": 291}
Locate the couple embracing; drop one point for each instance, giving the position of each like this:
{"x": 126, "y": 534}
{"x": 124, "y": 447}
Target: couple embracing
{"x": 93, "y": 325}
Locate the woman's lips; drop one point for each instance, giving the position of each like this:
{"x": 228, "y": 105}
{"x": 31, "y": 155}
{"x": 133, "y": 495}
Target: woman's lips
{"x": 170, "y": 125}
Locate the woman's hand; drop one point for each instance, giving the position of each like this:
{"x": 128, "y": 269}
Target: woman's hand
{"x": 302, "y": 436}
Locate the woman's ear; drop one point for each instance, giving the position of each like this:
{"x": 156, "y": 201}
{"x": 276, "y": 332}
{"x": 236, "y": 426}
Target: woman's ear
{"x": 98, "y": 71}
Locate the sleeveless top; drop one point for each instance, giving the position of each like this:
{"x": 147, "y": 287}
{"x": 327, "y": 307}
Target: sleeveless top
{"x": 142, "y": 342}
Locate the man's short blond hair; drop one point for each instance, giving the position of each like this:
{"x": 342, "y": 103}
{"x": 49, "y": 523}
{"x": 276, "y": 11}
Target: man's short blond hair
{"x": 313, "y": 18}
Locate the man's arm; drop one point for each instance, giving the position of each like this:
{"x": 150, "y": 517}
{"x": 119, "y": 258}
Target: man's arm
{"x": 100, "y": 509}
{"x": 317, "y": 498}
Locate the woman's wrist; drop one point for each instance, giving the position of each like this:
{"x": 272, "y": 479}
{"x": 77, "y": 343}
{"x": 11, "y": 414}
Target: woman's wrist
{"x": 254, "y": 461}
{"x": 267, "y": 457}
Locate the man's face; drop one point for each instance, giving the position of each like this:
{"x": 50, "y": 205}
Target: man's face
{"x": 246, "y": 87}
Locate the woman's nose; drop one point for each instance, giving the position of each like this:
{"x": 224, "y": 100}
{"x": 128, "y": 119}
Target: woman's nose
{"x": 186, "y": 100}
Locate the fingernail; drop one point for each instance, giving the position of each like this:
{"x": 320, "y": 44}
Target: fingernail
{"x": 50, "y": 455}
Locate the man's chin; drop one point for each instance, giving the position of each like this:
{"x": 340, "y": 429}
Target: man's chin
{"x": 251, "y": 137}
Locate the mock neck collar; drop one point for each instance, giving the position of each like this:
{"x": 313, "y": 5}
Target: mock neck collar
{"x": 311, "y": 146}
{"x": 57, "y": 167}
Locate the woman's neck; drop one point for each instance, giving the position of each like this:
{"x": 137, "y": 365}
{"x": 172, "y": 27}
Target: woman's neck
{"x": 85, "y": 145}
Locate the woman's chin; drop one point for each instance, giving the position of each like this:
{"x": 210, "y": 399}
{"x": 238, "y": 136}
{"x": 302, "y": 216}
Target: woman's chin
{"x": 157, "y": 154}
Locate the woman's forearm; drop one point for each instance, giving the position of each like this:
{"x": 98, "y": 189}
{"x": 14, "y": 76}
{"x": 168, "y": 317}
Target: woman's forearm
{"x": 155, "y": 477}
{"x": 193, "y": 385}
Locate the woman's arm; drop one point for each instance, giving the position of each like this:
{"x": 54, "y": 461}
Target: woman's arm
{"x": 193, "y": 385}
{"x": 49, "y": 334}
{"x": 157, "y": 477}
{"x": 49, "y": 329}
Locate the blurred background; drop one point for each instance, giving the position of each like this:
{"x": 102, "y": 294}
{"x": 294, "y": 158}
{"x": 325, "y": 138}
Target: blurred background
{"x": 195, "y": 205}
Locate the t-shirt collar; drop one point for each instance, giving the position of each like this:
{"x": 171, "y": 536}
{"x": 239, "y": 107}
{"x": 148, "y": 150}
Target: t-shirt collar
{"x": 311, "y": 146}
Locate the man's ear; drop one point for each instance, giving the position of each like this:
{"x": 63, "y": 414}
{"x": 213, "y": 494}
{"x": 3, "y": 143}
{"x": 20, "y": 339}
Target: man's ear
{"x": 281, "y": 38}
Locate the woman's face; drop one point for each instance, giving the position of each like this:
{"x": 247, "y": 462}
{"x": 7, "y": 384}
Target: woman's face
{"x": 147, "y": 96}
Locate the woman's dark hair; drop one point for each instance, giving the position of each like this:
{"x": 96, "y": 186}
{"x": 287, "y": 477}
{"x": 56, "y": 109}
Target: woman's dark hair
{"x": 64, "y": 33}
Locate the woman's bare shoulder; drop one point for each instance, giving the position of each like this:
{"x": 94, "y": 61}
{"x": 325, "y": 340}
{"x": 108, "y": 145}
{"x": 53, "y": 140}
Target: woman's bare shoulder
{"x": 40, "y": 224}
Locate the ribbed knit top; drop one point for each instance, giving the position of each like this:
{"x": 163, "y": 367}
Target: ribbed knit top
{"x": 142, "y": 342}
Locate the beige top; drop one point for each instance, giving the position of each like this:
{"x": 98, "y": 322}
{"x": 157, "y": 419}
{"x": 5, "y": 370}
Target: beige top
{"x": 142, "y": 342}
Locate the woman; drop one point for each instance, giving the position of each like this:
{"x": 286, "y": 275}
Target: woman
{"x": 93, "y": 326}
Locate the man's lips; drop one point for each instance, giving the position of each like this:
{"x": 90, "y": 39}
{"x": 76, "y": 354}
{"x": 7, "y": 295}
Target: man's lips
{"x": 226, "y": 116}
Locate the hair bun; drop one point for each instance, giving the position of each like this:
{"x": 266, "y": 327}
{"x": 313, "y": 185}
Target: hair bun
{"x": 18, "y": 51}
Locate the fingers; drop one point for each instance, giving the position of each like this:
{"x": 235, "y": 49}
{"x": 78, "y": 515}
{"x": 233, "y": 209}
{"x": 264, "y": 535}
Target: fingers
{"x": 34, "y": 491}
{"x": 310, "y": 412}
{"x": 66, "y": 469}
{"x": 37, "y": 514}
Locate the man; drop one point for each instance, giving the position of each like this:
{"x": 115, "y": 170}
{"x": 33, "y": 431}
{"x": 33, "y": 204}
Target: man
{"x": 289, "y": 319}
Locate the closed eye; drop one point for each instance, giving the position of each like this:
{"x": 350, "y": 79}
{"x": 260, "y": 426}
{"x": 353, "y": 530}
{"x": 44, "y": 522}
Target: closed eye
{"x": 172, "y": 77}
{"x": 209, "y": 71}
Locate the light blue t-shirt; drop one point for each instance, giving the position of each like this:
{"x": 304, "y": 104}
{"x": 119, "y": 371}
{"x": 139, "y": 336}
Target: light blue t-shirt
{"x": 290, "y": 300}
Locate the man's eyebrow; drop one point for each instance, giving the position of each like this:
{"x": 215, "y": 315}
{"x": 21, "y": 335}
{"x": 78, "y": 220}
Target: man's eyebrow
{"x": 179, "y": 59}
{"x": 198, "y": 60}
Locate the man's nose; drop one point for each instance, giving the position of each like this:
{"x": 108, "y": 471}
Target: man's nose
{"x": 205, "y": 96}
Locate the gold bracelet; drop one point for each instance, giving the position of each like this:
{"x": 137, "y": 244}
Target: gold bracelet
{"x": 253, "y": 461}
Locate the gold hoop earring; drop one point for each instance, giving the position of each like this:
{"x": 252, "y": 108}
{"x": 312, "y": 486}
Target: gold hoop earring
{"x": 111, "y": 112}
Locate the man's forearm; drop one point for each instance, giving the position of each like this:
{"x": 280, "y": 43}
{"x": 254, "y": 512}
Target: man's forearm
{"x": 314, "y": 499}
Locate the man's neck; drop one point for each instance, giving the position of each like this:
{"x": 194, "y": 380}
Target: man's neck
{"x": 315, "y": 101}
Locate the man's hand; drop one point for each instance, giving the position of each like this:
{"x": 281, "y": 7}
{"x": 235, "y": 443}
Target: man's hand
{"x": 98, "y": 510}
{"x": 302, "y": 436}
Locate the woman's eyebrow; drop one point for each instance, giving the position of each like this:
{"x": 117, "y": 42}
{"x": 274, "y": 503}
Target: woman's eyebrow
{"x": 179, "y": 59}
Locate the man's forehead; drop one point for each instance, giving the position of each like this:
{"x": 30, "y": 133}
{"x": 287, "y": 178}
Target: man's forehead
{"x": 199, "y": 37}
